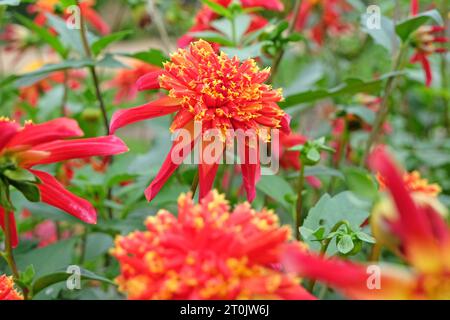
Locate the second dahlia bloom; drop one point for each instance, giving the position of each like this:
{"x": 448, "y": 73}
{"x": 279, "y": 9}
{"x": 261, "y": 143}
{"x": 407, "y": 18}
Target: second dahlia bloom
{"x": 7, "y": 290}
{"x": 206, "y": 252}
{"x": 423, "y": 242}
{"x": 217, "y": 93}
{"x": 23, "y": 147}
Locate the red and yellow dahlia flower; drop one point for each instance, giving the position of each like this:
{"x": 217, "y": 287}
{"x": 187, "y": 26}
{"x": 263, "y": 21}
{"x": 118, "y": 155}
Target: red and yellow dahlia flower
{"x": 423, "y": 242}
{"x": 7, "y": 290}
{"x": 206, "y": 252}
{"x": 217, "y": 93}
{"x": 37, "y": 144}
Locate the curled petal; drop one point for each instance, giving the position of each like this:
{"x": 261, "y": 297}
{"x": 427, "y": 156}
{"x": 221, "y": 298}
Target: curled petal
{"x": 147, "y": 111}
{"x": 12, "y": 226}
{"x": 56, "y": 129}
{"x": 95, "y": 19}
{"x": 77, "y": 149}
{"x": 54, "y": 194}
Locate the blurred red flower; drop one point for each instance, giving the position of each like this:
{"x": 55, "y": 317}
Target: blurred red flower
{"x": 206, "y": 252}
{"x": 37, "y": 144}
{"x": 329, "y": 21}
{"x": 125, "y": 81}
{"x": 415, "y": 223}
{"x": 43, "y": 7}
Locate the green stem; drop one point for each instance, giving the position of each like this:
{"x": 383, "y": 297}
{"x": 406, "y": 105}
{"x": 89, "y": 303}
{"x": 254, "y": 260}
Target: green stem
{"x": 88, "y": 53}
{"x": 385, "y": 107}
{"x": 194, "y": 184}
{"x": 279, "y": 56}
{"x": 299, "y": 205}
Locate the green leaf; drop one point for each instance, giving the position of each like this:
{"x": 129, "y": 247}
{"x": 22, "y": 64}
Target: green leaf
{"x": 385, "y": 36}
{"x": 19, "y": 174}
{"x": 217, "y": 8}
{"x": 153, "y": 56}
{"x": 328, "y": 211}
{"x": 313, "y": 155}
{"x": 105, "y": 41}
{"x": 242, "y": 23}
{"x": 350, "y": 87}
{"x": 277, "y": 188}
{"x": 60, "y": 276}
{"x": 323, "y": 171}
{"x": 405, "y": 28}
{"x": 212, "y": 36}
{"x": 245, "y": 53}
{"x": 44, "y": 34}
{"x": 4, "y": 200}
{"x": 29, "y": 189}
{"x": 365, "y": 237}
{"x": 364, "y": 113}
{"x": 345, "y": 244}
{"x": 27, "y": 79}
{"x": 70, "y": 37}
{"x": 27, "y": 276}
{"x": 109, "y": 61}
{"x": 97, "y": 244}
{"x": 361, "y": 183}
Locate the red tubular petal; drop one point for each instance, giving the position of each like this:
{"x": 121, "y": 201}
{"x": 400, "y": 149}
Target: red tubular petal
{"x": 7, "y": 131}
{"x": 416, "y": 230}
{"x": 54, "y": 194}
{"x": 12, "y": 226}
{"x": 77, "y": 149}
{"x": 149, "y": 81}
{"x": 349, "y": 278}
{"x": 250, "y": 171}
{"x": 56, "y": 129}
{"x": 414, "y": 7}
{"x": 169, "y": 166}
{"x": 207, "y": 174}
{"x": 285, "y": 124}
{"x": 158, "y": 108}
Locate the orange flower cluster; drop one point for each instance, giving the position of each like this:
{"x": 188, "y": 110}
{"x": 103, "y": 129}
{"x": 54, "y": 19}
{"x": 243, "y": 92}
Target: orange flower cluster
{"x": 207, "y": 252}
{"x": 7, "y": 290}
{"x": 415, "y": 183}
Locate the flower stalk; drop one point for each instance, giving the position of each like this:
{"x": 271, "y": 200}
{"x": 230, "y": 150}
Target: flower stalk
{"x": 93, "y": 72}
{"x": 385, "y": 107}
{"x": 299, "y": 205}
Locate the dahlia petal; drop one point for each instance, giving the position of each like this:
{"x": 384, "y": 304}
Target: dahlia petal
{"x": 180, "y": 150}
{"x": 353, "y": 280}
{"x": 414, "y": 7}
{"x": 56, "y": 129}
{"x": 147, "y": 111}
{"x": 416, "y": 231}
{"x": 77, "y": 149}
{"x": 149, "y": 81}
{"x": 8, "y": 130}
{"x": 285, "y": 124}
{"x": 250, "y": 171}
{"x": 54, "y": 194}
{"x": 12, "y": 226}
